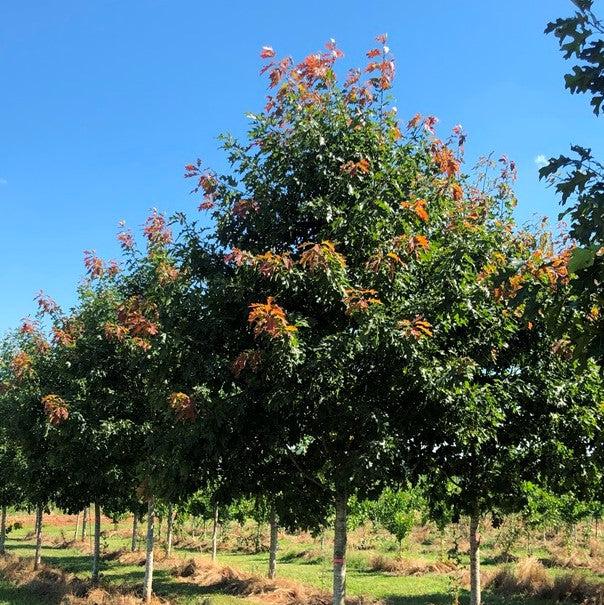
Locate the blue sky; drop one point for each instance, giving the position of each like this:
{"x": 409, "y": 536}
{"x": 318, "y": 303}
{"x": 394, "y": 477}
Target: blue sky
{"x": 102, "y": 102}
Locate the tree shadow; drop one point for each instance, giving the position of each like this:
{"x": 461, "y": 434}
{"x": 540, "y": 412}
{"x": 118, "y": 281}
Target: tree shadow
{"x": 19, "y": 595}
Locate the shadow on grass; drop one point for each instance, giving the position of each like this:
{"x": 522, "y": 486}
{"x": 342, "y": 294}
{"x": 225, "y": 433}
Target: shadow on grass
{"x": 426, "y": 599}
{"x": 444, "y": 599}
{"x": 18, "y": 595}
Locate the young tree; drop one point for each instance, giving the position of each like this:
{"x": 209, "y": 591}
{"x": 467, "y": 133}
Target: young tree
{"x": 337, "y": 231}
{"x": 94, "y": 445}
{"x": 28, "y": 367}
{"x": 11, "y": 469}
{"x": 508, "y": 405}
{"x": 147, "y": 330}
{"x": 397, "y": 512}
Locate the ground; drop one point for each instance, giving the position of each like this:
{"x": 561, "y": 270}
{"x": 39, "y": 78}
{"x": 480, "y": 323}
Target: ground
{"x": 302, "y": 558}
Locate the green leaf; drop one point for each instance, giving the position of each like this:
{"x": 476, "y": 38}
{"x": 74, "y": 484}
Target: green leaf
{"x": 581, "y": 259}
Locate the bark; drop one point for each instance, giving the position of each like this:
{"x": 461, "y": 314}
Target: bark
{"x": 170, "y": 530}
{"x": 84, "y": 523}
{"x": 96, "y": 552}
{"x": 274, "y": 545}
{"x": 258, "y": 537}
{"x": 134, "y": 532}
{"x": 339, "y": 550}
{"x": 77, "y": 528}
{"x": 38, "y": 555}
{"x": 148, "y": 581}
{"x": 3, "y": 530}
{"x": 475, "y": 590}
{"x": 215, "y": 534}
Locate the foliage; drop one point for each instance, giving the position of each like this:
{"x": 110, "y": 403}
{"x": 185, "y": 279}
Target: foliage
{"x": 579, "y": 179}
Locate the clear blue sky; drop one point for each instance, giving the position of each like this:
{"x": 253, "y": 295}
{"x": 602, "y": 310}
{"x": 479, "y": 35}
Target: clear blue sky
{"x": 102, "y": 102}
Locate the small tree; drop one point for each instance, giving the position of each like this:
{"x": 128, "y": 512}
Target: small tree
{"x": 397, "y": 512}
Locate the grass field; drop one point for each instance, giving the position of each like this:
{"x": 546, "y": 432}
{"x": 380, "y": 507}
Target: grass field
{"x": 301, "y": 559}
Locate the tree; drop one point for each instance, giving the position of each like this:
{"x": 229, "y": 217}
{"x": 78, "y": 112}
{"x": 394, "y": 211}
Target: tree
{"x": 336, "y": 230}
{"x": 94, "y": 445}
{"x": 11, "y": 469}
{"x": 28, "y": 367}
{"x": 146, "y": 328}
{"x": 579, "y": 179}
{"x": 514, "y": 408}
{"x": 397, "y": 512}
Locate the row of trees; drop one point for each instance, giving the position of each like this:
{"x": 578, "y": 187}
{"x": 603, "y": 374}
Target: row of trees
{"x": 356, "y": 314}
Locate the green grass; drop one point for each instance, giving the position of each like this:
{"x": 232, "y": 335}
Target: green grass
{"x": 12, "y": 595}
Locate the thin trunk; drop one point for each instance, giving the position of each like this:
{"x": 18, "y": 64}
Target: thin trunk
{"x": 258, "y": 537}
{"x": 3, "y": 530}
{"x": 170, "y": 533}
{"x": 90, "y": 530}
{"x": 84, "y": 523}
{"x": 134, "y": 532}
{"x": 148, "y": 581}
{"x": 38, "y": 555}
{"x": 475, "y": 591}
{"x": 215, "y": 534}
{"x": 339, "y": 550}
{"x": 596, "y": 528}
{"x": 77, "y": 528}
{"x": 274, "y": 545}
{"x": 96, "y": 553}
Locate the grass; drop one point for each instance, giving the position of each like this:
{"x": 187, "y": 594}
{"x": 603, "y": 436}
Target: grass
{"x": 312, "y": 569}
{"x": 13, "y": 595}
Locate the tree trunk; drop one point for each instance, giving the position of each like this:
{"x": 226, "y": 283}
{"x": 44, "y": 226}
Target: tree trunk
{"x": 339, "y": 550}
{"x": 148, "y": 581}
{"x": 96, "y": 552}
{"x": 77, "y": 528}
{"x": 215, "y": 534}
{"x": 38, "y": 555}
{"x": 475, "y": 591}
{"x": 134, "y": 532}
{"x": 170, "y": 533}
{"x": 274, "y": 545}
{"x": 258, "y": 537}
{"x": 84, "y": 523}
{"x": 3, "y": 530}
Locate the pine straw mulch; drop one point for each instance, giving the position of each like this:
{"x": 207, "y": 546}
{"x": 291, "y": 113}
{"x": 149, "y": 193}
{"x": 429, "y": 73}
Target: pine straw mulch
{"x": 530, "y": 578}
{"x": 226, "y": 579}
{"x": 409, "y": 567}
{"x": 58, "y": 587}
{"x": 202, "y": 572}
{"x": 592, "y": 559}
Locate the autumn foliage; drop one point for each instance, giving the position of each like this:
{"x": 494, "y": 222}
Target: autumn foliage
{"x": 55, "y": 408}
